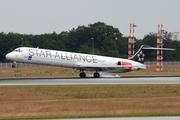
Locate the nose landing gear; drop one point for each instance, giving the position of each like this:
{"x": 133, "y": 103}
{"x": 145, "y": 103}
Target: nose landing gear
{"x": 14, "y": 64}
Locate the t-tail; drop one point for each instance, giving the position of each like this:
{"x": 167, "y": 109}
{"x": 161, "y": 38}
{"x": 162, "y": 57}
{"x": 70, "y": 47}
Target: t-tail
{"x": 144, "y": 51}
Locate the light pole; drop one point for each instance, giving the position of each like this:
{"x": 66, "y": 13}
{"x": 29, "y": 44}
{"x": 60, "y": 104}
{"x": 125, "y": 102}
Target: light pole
{"x": 22, "y": 41}
{"x": 92, "y": 45}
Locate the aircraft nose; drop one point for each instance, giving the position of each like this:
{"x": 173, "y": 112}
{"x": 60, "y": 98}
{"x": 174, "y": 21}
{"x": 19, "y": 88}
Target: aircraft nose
{"x": 9, "y": 56}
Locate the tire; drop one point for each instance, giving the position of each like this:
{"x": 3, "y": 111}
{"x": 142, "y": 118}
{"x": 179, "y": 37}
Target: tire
{"x": 96, "y": 75}
{"x": 82, "y": 74}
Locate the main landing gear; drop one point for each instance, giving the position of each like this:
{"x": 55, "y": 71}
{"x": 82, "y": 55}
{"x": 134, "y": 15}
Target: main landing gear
{"x": 82, "y": 74}
{"x": 96, "y": 75}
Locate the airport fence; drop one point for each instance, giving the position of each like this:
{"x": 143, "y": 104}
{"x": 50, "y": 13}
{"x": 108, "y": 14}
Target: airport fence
{"x": 164, "y": 63}
{"x": 175, "y": 63}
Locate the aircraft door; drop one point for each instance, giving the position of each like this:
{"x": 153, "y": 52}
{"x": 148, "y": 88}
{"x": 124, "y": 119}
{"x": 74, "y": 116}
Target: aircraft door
{"x": 19, "y": 54}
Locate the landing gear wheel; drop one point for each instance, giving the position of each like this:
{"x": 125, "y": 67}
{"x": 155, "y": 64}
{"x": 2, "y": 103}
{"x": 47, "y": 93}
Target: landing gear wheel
{"x": 96, "y": 75}
{"x": 14, "y": 64}
{"x": 82, "y": 74}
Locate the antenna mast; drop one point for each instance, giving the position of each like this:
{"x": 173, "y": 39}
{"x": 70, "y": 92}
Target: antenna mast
{"x": 131, "y": 41}
{"x": 159, "y": 53}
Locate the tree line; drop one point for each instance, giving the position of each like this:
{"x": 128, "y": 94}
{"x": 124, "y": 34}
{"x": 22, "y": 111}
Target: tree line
{"x": 98, "y": 38}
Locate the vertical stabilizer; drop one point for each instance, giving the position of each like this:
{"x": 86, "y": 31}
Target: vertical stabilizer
{"x": 143, "y": 51}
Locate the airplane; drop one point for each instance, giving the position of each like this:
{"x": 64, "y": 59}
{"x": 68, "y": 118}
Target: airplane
{"x": 81, "y": 61}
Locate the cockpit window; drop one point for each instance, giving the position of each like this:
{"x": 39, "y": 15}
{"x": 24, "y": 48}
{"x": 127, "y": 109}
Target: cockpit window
{"x": 18, "y": 50}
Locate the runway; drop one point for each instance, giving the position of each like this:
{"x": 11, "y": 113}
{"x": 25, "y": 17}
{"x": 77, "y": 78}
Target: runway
{"x": 91, "y": 81}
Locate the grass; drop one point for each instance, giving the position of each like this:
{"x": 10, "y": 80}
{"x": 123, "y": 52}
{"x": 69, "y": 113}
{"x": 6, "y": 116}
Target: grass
{"x": 88, "y": 101}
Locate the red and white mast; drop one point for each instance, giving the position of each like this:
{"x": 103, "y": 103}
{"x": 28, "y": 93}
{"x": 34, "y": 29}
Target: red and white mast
{"x": 159, "y": 53}
{"x": 131, "y": 41}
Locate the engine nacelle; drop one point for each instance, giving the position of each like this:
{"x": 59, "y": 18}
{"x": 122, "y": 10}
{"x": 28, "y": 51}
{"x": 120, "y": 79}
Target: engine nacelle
{"x": 14, "y": 65}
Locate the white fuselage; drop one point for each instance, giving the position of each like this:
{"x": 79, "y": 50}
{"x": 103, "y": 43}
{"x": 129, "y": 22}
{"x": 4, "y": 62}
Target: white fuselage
{"x": 73, "y": 60}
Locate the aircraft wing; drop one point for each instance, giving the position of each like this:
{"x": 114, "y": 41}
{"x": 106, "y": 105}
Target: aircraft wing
{"x": 104, "y": 67}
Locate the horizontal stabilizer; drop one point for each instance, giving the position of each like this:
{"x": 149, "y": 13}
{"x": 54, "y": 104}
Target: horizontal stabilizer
{"x": 155, "y": 48}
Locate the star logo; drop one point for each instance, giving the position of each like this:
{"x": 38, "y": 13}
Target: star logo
{"x": 140, "y": 56}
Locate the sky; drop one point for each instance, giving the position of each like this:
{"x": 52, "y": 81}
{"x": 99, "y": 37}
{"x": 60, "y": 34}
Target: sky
{"x": 48, "y": 16}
